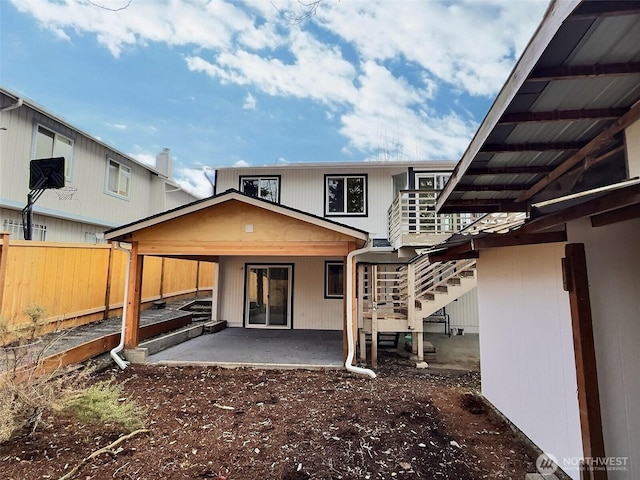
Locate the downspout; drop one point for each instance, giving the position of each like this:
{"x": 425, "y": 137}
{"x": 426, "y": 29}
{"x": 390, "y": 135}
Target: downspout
{"x": 114, "y": 352}
{"x": 350, "y": 340}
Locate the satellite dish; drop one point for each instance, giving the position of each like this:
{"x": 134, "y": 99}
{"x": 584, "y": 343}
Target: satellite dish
{"x": 45, "y": 173}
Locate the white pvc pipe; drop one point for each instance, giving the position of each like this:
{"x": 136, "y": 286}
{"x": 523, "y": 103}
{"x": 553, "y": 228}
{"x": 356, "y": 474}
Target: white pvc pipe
{"x": 18, "y": 104}
{"x": 114, "y": 352}
{"x": 350, "y": 340}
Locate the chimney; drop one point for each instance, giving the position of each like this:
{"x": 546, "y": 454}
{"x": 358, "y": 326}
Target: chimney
{"x": 164, "y": 163}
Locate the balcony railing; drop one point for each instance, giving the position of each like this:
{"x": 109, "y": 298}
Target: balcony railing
{"x": 411, "y": 218}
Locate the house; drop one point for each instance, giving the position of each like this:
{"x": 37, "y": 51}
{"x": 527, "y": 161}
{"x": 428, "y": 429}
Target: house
{"x": 558, "y": 290}
{"x": 282, "y": 237}
{"x": 103, "y": 187}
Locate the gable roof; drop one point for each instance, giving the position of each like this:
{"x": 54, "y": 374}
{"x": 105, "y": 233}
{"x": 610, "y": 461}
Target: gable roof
{"x": 555, "y": 127}
{"x": 121, "y": 233}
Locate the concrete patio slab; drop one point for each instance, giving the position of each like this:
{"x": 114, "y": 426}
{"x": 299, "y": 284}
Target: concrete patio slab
{"x": 238, "y": 347}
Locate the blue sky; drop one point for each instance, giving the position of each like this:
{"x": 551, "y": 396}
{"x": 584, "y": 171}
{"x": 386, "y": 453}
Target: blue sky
{"x": 225, "y": 83}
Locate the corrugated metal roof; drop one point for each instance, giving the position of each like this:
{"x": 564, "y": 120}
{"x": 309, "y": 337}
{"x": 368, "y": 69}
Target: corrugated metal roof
{"x": 579, "y": 74}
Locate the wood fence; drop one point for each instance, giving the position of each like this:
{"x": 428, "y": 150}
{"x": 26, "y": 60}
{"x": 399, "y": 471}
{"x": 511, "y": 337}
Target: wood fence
{"x": 77, "y": 283}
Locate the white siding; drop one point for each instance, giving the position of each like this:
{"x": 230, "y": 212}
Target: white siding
{"x": 90, "y": 205}
{"x": 310, "y": 309}
{"x": 526, "y": 345}
{"x": 464, "y": 312}
{"x": 613, "y": 266}
{"x": 303, "y": 188}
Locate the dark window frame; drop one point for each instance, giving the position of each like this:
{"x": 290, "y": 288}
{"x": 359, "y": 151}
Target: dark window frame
{"x": 345, "y": 176}
{"x": 261, "y": 177}
{"x": 327, "y": 294}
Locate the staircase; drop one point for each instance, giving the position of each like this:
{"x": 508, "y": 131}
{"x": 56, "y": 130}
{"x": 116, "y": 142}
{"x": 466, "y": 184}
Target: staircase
{"x": 400, "y": 297}
{"x": 200, "y": 309}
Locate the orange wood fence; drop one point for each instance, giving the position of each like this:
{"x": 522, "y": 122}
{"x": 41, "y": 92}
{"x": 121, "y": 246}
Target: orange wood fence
{"x": 77, "y": 283}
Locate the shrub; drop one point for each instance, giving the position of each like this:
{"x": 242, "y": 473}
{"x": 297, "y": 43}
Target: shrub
{"x": 103, "y": 403}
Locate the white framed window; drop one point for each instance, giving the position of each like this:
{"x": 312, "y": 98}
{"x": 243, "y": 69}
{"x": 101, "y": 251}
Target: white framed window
{"x": 345, "y": 195}
{"x": 333, "y": 279}
{"x": 50, "y": 144}
{"x": 267, "y": 188}
{"x": 118, "y": 180}
{"x": 431, "y": 181}
{"x": 16, "y": 229}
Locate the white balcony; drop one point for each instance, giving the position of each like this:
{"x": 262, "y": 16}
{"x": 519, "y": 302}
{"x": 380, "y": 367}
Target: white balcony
{"x": 412, "y": 221}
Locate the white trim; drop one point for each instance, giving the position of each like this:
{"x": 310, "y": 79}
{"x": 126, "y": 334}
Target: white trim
{"x": 121, "y": 167}
{"x": 266, "y": 325}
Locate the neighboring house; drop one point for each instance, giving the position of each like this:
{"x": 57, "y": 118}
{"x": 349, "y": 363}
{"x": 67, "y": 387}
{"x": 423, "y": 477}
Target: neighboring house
{"x": 281, "y": 235}
{"x": 103, "y": 187}
{"x": 558, "y": 295}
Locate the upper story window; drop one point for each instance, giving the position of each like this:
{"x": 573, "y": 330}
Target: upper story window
{"x": 50, "y": 144}
{"x": 431, "y": 181}
{"x": 118, "y": 179}
{"x": 267, "y": 188}
{"x": 345, "y": 195}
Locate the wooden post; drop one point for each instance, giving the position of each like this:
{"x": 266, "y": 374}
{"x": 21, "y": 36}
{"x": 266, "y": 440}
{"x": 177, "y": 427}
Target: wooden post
{"x": 197, "y": 278}
{"x": 4, "y": 261}
{"x": 374, "y": 316}
{"x": 577, "y": 284}
{"x": 345, "y": 341}
{"x": 162, "y": 278}
{"x": 362, "y": 340}
{"x": 215, "y": 292}
{"x": 133, "y": 299}
{"x": 107, "y": 289}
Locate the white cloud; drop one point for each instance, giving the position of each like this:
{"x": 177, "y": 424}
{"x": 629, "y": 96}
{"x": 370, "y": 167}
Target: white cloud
{"x": 146, "y": 158}
{"x": 117, "y": 126}
{"x": 194, "y": 181}
{"x": 249, "y": 102}
{"x": 375, "y": 65}
{"x": 241, "y": 163}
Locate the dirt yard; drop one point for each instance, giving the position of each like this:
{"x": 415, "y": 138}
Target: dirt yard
{"x": 266, "y": 424}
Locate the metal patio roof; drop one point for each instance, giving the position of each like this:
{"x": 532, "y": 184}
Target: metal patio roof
{"x": 557, "y": 125}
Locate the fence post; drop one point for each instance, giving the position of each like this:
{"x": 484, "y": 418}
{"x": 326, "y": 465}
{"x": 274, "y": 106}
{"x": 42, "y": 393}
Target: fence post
{"x": 4, "y": 260}
{"x": 197, "y": 278}
{"x": 107, "y": 289}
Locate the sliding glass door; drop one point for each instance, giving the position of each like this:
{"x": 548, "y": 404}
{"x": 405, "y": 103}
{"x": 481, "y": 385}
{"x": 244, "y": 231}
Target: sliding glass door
{"x": 268, "y": 297}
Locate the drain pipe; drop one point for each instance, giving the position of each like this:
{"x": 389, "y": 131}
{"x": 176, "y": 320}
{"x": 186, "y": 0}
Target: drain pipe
{"x": 114, "y": 352}
{"x": 350, "y": 320}
{"x": 18, "y": 104}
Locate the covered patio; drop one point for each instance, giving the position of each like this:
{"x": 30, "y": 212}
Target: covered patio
{"x": 241, "y": 347}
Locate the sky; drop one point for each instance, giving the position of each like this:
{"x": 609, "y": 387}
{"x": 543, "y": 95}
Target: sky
{"x": 247, "y": 83}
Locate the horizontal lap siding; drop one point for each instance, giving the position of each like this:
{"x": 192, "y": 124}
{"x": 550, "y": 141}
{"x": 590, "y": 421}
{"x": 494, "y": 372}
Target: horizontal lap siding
{"x": 310, "y": 309}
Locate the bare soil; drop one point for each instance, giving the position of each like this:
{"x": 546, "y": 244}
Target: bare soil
{"x": 291, "y": 425}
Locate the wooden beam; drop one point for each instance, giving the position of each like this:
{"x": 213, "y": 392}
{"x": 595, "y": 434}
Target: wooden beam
{"x": 609, "y": 8}
{"x": 215, "y": 249}
{"x": 572, "y": 72}
{"x": 607, "y": 134}
{"x": 515, "y": 238}
{"x": 614, "y": 200}
{"x": 483, "y": 206}
{"x": 107, "y": 288}
{"x": 561, "y": 115}
{"x": 445, "y": 257}
{"x": 615, "y": 216}
{"x": 534, "y": 169}
{"x": 501, "y": 187}
{"x": 529, "y": 147}
{"x": 4, "y": 261}
{"x": 577, "y": 281}
{"x": 132, "y": 329}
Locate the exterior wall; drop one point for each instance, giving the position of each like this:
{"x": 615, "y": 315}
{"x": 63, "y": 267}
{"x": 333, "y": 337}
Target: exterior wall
{"x": 613, "y": 264}
{"x": 463, "y": 312}
{"x": 632, "y": 141}
{"x": 303, "y": 188}
{"x": 310, "y": 309}
{"x": 90, "y": 205}
{"x": 526, "y": 345}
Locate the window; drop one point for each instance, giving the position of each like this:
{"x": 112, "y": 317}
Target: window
{"x": 267, "y": 188}
{"x": 345, "y": 195}
{"x": 431, "y": 181}
{"x": 50, "y": 144}
{"x": 333, "y": 279}
{"x": 118, "y": 179}
{"x": 16, "y": 229}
